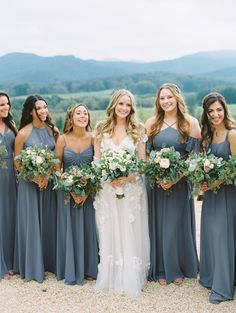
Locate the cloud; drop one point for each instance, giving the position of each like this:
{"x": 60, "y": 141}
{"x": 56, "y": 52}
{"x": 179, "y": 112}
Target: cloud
{"x": 124, "y": 29}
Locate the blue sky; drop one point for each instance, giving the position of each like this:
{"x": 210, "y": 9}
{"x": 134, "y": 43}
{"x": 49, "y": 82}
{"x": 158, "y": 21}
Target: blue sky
{"x": 140, "y": 30}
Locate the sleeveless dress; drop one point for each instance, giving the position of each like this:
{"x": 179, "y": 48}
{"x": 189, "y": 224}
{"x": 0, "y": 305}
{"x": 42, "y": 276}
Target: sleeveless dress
{"x": 7, "y": 205}
{"x": 77, "y": 249}
{"x": 122, "y": 226}
{"x": 35, "y": 249}
{"x": 218, "y": 237}
{"x": 172, "y": 220}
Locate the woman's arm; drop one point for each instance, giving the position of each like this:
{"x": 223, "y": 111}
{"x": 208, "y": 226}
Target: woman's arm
{"x": 195, "y": 130}
{"x": 232, "y": 141}
{"x": 59, "y": 149}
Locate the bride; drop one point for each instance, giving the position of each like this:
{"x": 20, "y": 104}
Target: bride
{"x": 122, "y": 224}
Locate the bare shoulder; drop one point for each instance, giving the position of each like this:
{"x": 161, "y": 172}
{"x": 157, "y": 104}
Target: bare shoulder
{"x": 149, "y": 122}
{"x": 195, "y": 130}
{"x": 61, "y": 140}
{"x": 232, "y": 134}
{"x": 24, "y": 133}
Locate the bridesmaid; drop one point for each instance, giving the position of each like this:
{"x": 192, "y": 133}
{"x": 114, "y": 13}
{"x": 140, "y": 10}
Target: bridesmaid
{"x": 77, "y": 250}
{"x": 35, "y": 249}
{"x": 171, "y": 216}
{"x": 218, "y": 220}
{"x": 7, "y": 189}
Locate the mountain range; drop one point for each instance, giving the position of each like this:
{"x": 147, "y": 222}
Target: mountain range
{"x": 18, "y": 68}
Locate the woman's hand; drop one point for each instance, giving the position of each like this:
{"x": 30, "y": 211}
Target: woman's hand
{"x": 78, "y": 199}
{"x": 166, "y": 186}
{"x": 121, "y": 181}
{"x": 216, "y": 184}
{"x": 41, "y": 181}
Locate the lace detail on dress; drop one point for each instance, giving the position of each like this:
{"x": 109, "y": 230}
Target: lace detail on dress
{"x": 122, "y": 226}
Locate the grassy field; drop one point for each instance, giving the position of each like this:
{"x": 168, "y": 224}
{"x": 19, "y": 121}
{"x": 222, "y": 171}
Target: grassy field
{"x": 58, "y": 105}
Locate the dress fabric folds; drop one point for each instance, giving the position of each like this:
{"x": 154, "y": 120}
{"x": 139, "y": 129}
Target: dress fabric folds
{"x": 77, "y": 248}
{"x": 35, "y": 246}
{"x": 172, "y": 219}
{"x": 218, "y": 237}
{"x": 7, "y": 204}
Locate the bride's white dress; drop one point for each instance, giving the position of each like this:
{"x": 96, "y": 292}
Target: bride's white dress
{"x": 122, "y": 226}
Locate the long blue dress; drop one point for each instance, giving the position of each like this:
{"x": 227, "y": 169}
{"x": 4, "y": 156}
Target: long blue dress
{"x": 35, "y": 248}
{"x": 172, "y": 220}
{"x": 218, "y": 237}
{"x": 77, "y": 249}
{"x": 7, "y": 205}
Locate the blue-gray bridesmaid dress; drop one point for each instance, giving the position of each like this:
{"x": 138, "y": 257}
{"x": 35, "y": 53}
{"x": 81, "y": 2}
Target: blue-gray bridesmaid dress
{"x": 7, "y": 204}
{"x": 77, "y": 249}
{"x": 172, "y": 220}
{"x": 35, "y": 248}
{"x": 218, "y": 237}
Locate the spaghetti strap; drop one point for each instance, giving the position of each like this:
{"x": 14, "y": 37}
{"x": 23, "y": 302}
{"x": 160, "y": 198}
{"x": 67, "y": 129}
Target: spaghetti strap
{"x": 169, "y": 125}
{"x": 64, "y": 138}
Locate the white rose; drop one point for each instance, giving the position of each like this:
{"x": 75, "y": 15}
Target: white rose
{"x": 113, "y": 166}
{"x": 207, "y": 163}
{"x": 28, "y": 152}
{"x": 164, "y": 163}
{"x": 211, "y": 166}
{"x": 192, "y": 167}
{"x": 70, "y": 180}
{"x": 39, "y": 160}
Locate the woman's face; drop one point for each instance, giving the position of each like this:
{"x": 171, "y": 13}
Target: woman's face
{"x": 80, "y": 116}
{"x": 123, "y": 107}
{"x": 167, "y": 100}
{"x": 42, "y": 110}
{"x": 216, "y": 113}
{"x": 4, "y": 107}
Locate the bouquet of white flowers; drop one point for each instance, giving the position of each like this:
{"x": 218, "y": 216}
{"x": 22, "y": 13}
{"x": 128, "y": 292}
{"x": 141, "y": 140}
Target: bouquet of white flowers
{"x": 164, "y": 166}
{"x": 81, "y": 180}
{"x": 36, "y": 161}
{"x": 3, "y": 155}
{"x": 201, "y": 167}
{"x": 115, "y": 164}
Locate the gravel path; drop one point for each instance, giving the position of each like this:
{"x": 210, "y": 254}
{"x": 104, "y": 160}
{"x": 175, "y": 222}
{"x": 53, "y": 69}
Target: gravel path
{"x": 17, "y": 296}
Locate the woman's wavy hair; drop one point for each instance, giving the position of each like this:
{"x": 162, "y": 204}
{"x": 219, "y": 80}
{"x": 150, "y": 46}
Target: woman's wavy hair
{"x": 183, "y": 124}
{"x": 133, "y": 126}
{"x": 9, "y": 119}
{"x": 26, "y": 116}
{"x": 207, "y": 129}
{"x": 68, "y": 125}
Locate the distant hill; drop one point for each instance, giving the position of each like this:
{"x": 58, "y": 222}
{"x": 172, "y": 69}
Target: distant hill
{"x": 18, "y": 68}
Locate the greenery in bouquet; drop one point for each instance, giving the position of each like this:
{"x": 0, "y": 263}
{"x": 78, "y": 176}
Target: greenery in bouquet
{"x": 81, "y": 180}
{"x": 202, "y": 167}
{"x": 163, "y": 166}
{"x": 229, "y": 173}
{"x": 114, "y": 164}
{"x": 3, "y": 155}
{"x": 35, "y": 161}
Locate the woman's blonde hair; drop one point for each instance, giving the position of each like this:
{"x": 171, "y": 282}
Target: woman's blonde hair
{"x": 133, "y": 127}
{"x": 183, "y": 124}
{"x": 68, "y": 125}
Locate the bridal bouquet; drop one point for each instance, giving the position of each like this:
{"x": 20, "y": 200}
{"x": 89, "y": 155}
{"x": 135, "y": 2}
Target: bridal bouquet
{"x": 229, "y": 174}
{"x": 81, "y": 180}
{"x": 201, "y": 168}
{"x": 36, "y": 161}
{"x": 115, "y": 164}
{"x": 164, "y": 166}
{"x": 3, "y": 155}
